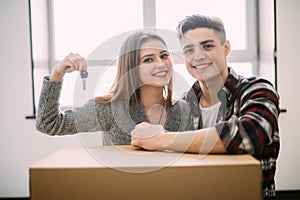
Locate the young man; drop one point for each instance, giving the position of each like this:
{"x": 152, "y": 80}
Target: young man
{"x": 231, "y": 114}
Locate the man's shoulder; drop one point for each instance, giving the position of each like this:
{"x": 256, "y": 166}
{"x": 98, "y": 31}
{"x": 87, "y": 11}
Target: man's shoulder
{"x": 255, "y": 83}
{"x": 256, "y": 79}
{"x": 257, "y": 86}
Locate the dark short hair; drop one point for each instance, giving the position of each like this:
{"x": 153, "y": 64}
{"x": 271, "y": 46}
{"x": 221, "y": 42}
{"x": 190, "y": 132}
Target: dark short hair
{"x": 201, "y": 21}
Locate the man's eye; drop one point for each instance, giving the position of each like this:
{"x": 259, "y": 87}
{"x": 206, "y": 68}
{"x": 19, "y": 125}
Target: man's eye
{"x": 188, "y": 51}
{"x": 208, "y": 46}
{"x": 148, "y": 60}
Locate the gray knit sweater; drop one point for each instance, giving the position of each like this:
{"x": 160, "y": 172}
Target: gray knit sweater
{"x": 115, "y": 122}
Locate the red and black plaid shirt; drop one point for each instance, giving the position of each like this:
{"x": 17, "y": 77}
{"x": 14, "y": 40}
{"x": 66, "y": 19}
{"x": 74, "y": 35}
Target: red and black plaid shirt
{"x": 247, "y": 121}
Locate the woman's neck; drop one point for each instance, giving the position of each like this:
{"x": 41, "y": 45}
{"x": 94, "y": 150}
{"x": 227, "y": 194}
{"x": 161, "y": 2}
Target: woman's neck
{"x": 154, "y": 104}
{"x": 151, "y": 96}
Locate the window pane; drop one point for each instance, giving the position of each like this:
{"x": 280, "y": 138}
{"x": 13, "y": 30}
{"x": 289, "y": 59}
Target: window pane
{"x": 81, "y": 25}
{"x": 234, "y": 17}
{"x": 244, "y": 69}
{"x": 98, "y": 83}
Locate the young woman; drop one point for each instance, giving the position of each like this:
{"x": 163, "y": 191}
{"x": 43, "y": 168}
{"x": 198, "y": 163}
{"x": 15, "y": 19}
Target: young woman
{"x": 141, "y": 92}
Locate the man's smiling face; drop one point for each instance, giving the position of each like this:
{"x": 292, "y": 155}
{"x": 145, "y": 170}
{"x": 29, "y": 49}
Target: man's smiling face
{"x": 205, "y": 54}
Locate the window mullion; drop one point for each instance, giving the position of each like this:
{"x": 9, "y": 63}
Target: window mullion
{"x": 52, "y": 57}
{"x": 149, "y": 13}
{"x": 252, "y": 33}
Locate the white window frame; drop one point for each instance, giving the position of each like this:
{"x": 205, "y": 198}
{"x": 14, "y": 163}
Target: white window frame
{"x": 44, "y": 59}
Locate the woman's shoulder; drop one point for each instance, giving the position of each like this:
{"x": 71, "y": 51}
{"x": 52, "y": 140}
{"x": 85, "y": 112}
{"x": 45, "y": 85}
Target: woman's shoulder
{"x": 181, "y": 105}
{"x": 116, "y": 106}
{"x": 180, "y": 102}
{"x": 179, "y": 116}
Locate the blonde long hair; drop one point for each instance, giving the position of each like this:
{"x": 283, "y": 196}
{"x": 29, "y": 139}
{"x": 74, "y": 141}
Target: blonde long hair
{"x": 126, "y": 83}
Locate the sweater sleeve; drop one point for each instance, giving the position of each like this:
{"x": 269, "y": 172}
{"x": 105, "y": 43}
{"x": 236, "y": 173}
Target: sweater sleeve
{"x": 255, "y": 125}
{"x": 51, "y": 120}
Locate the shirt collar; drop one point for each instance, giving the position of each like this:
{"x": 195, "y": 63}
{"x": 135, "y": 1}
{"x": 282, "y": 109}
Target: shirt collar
{"x": 232, "y": 82}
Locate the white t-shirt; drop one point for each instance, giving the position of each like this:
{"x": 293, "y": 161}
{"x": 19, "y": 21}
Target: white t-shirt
{"x": 209, "y": 114}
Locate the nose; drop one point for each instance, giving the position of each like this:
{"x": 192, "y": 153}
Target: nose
{"x": 160, "y": 62}
{"x": 199, "y": 54}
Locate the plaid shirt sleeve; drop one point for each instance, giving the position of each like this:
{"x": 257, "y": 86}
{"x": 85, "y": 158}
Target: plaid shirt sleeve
{"x": 253, "y": 126}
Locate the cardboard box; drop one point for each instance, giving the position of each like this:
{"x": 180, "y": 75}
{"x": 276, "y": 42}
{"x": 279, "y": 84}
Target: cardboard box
{"x": 125, "y": 172}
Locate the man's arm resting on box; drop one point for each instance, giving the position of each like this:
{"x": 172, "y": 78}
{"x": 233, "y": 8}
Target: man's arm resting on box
{"x": 198, "y": 141}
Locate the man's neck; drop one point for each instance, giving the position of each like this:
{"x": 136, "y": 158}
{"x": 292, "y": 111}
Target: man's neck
{"x": 210, "y": 89}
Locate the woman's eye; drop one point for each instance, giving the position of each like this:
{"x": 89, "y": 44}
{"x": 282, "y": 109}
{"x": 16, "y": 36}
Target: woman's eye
{"x": 165, "y": 55}
{"x": 147, "y": 60}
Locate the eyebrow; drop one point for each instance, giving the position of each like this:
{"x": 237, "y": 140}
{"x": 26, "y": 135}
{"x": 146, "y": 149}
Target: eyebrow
{"x": 150, "y": 55}
{"x": 200, "y": 43}
{"x": 206, "y": 41}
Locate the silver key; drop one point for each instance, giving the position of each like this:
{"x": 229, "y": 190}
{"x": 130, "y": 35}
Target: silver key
{"x": 84, "y": 75}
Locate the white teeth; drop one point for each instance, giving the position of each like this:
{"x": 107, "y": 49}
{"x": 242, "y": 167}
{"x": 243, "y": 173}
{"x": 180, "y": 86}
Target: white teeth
{"x": 201, "y": 66}
{"x": 163, "y": 73}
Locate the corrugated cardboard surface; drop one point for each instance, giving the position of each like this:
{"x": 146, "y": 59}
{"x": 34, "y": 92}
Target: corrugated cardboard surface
{"x": 124, "y": 172}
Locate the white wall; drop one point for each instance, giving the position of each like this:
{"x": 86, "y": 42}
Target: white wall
{"x": 288, "y": 38}
{"x": 266, "y": 40}
{"x": 20, "y": 144}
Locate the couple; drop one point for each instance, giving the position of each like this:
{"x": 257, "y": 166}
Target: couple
{"x": 222, "y": 112}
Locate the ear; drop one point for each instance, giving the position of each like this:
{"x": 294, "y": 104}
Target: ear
{"x": 227, "y": 47}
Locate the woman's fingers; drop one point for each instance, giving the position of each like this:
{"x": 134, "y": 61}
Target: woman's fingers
{"x": 76, "y": 62}
{"x": 72, "y": 62}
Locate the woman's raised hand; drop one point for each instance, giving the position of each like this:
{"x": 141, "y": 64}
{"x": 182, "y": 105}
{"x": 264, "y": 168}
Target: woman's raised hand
{"x": 72, "y": 62}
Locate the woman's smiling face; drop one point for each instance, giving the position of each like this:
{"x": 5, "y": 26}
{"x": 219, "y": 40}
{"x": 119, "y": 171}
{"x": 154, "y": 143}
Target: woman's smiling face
{"x": 155, "y": 67}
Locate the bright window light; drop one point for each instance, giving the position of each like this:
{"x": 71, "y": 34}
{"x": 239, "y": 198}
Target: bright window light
{"x": 80, "y": 26}
{"x": 170, "y": 12}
